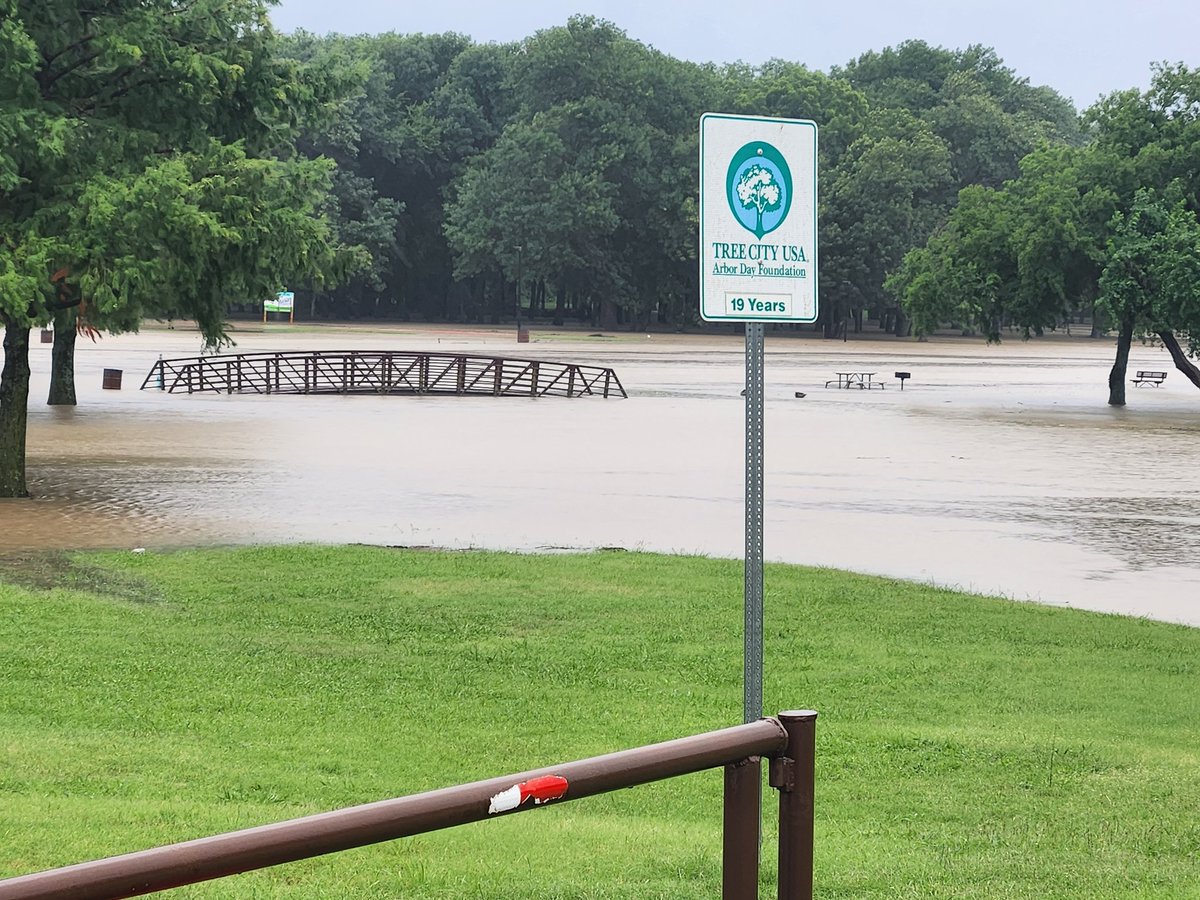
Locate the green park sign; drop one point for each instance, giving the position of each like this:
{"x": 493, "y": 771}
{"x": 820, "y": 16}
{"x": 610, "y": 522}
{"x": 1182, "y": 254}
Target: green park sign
{"x": 758, "y": 219}
{"x": 283, "y": 302}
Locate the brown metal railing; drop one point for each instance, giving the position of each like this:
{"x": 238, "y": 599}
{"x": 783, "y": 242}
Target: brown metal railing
{"x": 788, "y": 741}
{"x": 380, "y": 372}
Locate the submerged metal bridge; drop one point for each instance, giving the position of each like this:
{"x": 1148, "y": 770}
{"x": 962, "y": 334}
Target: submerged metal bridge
{"x": 380, "y": 372}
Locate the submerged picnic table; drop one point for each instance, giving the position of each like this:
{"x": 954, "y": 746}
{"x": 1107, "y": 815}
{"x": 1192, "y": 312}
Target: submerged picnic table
{"x": 860, "y": 380}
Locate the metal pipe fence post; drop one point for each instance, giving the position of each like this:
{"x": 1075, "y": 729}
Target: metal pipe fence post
{"x": 796, "y": 797}
{"x": 739, "y": 856}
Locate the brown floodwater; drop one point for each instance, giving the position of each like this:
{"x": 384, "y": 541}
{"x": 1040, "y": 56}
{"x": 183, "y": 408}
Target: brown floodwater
{"x": 998, "y": 469}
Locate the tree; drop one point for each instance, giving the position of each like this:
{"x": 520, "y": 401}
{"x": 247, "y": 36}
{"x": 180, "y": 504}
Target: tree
{"x": 988, "y": 116}
{"x": 892, "y": 188}
{"x": 901, "y": 132}
{"x": 792, "y": 91}
{"x": 939, "y": 121}
{"x": 1152, "y": 281}
{"x": 966, "y": 274}
{"x": 586, "y": 176}
{"x": 758, "y": 190}
{"x": 427, "y": 104}
{"x": 531, "y": 192}
{"x": 147, "y": 159}
{"x": 1112, "y": 225}
{"x": 358, "y": 127}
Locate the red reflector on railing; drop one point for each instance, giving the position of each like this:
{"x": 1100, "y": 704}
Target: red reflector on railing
{"x": 542, "y": 790}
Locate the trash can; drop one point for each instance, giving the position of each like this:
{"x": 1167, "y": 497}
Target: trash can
{"x": 112, "y": 379}
{"x": 47, "y": 336}
{"x": 522, "y": 335}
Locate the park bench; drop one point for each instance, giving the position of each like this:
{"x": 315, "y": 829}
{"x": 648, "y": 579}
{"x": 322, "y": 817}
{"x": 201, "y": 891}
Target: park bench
{"x": 1154, "y": 378}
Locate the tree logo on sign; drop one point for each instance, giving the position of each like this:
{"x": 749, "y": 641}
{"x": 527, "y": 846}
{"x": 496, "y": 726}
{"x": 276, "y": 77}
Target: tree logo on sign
{"x": 759, "y": 188}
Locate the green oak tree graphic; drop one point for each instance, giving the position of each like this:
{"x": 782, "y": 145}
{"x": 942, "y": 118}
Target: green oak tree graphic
{"x": 757, "y": 189}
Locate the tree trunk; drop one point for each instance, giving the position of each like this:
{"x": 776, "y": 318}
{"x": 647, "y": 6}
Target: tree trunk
{"x": 1097, "y": 331}
{"x": 1116, "y": 378}
{"x": 560, "y": 308}
{"x": 62, "y": 360}
{"x": 498, "y": 299}
{"x": 608, "y": 314}
{"x": 1182, "y": 363}
{"x": 826, "y": 321}
{"x": 14, "y": 406}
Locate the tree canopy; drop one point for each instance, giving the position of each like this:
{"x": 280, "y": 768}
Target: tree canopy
{"x": 147, "y": 163}
{"x": 1111, "y": 224}
{"x": 445, "y": 131}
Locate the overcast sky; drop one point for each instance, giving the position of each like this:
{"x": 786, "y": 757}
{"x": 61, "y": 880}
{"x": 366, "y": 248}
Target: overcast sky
{"x": 1081, "y": 49}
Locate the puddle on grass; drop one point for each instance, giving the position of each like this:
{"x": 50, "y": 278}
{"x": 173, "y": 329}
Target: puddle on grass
{"x": 50, "y": 570}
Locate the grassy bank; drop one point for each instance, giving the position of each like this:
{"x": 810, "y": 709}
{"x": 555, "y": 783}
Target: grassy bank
{"x": 967, "y": 747}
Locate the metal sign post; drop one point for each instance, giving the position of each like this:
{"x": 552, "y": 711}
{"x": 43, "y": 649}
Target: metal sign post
{"x": 753, "y": 662}
{"x": 758, "y": 264}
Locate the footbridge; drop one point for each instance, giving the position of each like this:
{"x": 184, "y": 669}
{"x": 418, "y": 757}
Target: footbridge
{"x": 380, "y": 372}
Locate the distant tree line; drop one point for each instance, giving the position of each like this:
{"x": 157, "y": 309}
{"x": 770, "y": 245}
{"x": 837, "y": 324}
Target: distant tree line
{"x": 559, "y": 173}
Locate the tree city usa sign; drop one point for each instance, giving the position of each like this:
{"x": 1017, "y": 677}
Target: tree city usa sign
{"x": 758, "y": 219}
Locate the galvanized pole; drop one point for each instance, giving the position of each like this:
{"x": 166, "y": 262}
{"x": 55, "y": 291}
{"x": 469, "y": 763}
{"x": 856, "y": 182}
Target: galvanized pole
{"x": 754, "y": 523}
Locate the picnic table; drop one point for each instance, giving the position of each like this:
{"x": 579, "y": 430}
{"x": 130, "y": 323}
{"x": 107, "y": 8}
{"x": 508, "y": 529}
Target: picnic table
{"x": 861, "y": 380}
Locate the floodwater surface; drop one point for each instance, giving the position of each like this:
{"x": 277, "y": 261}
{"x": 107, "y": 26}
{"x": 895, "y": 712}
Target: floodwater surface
{"x": 997, "y": 469}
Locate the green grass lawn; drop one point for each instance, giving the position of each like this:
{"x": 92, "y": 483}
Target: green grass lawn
{"x": 967, "y": 747}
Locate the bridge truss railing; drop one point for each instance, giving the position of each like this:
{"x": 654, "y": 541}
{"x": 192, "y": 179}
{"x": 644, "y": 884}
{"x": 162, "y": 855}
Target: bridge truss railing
{"x": 380, "y": 372}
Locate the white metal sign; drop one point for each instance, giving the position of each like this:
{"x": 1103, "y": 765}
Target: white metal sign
{"x": 758, "y": 219}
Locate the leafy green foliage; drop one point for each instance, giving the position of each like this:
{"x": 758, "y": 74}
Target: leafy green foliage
{"x": 941, "y": 121}
{"x": 154, "y": 236}
{"x": 1153, "y": 271}
{"x": 538, "y": 197}
{"x": 603, "y": 130}
{"x": 423, "y": 107}
{"x": 162, "y": 105}
{"x": 1114, "y": 221}
{"x": 960, "y": 275}
{"x": 792, "y": 91}
{"x": 147, "y": 167}
{"x": 427, "y": 189}
{"x": 988, "y": 116}
{"x": 892, "y": 188}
